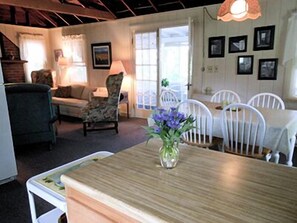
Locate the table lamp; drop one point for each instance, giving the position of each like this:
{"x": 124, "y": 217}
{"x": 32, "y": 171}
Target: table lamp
{"x": 117, "y": 67}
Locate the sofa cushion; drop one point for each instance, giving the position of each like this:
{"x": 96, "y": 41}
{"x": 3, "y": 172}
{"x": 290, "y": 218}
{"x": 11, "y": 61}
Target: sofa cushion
{"x": 76, "y": 91}
{"x": 73, "y": 102}
{"x": 86, "y": 94}
{"x": 63, "y": 91}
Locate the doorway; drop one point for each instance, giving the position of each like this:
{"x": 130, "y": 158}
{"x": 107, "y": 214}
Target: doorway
{"x": 161, "y": 56}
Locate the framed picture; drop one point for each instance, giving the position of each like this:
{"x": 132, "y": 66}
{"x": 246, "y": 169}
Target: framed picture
{"x": 267, "y": 69}
{"x": 245, "y": 64}
{"x": 101, "y": 55}
{"x": 216, "y": 46}
{"x": 58, "y": 53}
{"x": 237, "y": 44}
{"x": 264, "y": 38}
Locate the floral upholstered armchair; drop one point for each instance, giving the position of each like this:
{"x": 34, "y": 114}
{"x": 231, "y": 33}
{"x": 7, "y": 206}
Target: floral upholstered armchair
{"x": 43, "y": 76}
{"x": 104, "y": 109}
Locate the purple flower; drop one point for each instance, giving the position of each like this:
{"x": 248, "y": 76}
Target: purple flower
{"x": 170, "y": 124}
{"x": 157, "y": 129}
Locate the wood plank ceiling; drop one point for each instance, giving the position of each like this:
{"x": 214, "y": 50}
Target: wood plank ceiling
{"x": 57, "y": 13}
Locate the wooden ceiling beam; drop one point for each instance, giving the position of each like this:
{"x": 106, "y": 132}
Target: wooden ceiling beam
{"x": 108, "y": 9}
{"x": 12, "y": 15}
{"x": 67, "y": 23}
{"x": 78, "y": 19}
{"x": 182, "y": 4}
{"x": 128, "y": 7}
{"x": 153, "y": 5}
{"x": 49, "y": 19}
{"x": 59, "y": 8}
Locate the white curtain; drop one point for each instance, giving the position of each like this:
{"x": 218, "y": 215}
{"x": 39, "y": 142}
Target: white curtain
{"x": 32, "y": 49}
{"x": 74, "y": 51}
{"x": 290, "y": 58}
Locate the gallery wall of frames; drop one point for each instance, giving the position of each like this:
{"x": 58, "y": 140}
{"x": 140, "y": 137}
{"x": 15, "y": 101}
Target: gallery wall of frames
{"x": 263, "y": 40}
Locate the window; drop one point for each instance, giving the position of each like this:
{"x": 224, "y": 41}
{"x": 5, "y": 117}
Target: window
{"x": 74, "y": 51}
{"x": 32, "y": 49}
{"x": 146, "y": 70}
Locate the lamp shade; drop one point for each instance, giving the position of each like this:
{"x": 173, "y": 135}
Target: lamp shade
{"x": 63, "y": 61}
{"x": 239, "y": 10}
{"x": 117, "y": 67}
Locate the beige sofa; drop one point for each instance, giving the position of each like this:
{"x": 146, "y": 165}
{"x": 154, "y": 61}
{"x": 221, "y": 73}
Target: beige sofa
{"x": 71, "y": 99}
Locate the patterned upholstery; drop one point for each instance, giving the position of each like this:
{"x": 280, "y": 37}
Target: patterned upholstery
{"x": 104, "y": 109}
{"x": 43, "y": 76}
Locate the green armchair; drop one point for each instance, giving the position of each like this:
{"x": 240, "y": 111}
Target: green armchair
{"x": 31, "y": 113}
{"x": 104, "y": 110}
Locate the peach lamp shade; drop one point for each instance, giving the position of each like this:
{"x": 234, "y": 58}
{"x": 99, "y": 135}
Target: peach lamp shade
{"x": 117, "y": 67}
{"x": 239, "y": 10}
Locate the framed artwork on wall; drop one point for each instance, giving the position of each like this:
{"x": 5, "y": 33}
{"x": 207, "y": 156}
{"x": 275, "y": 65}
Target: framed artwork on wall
{"x": 238, "y": 44}
{"x": 58, "y": 53}
{"x": 264, "y": 38}
{"x": 245, "y": 64}
{"x": 216, "y": 46}
{"x": 101, "y": 55}
{"x": 267, "y": 69}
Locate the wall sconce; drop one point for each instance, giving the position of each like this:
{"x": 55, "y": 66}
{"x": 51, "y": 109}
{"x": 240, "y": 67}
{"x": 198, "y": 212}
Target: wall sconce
{"x": 239, "y": 10}
{"x": 117, "y": 67}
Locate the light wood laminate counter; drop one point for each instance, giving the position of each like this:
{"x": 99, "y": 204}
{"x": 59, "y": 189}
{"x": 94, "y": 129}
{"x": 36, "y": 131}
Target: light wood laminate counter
{"x": 206, "y": 186}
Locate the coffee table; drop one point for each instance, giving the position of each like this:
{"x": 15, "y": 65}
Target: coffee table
{"x": 48, "y": 186}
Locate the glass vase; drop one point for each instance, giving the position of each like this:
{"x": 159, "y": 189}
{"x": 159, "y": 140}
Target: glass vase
{"x": 169, "y": 155}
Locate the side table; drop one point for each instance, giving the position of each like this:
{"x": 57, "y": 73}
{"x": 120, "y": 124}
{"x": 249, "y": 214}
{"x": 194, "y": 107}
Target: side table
{"x": 125, "y": 100}
{"x": 48, "y": 186}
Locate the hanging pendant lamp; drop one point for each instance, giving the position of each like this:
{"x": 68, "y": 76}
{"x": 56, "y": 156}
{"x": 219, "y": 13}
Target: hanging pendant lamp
{"x": 239, "y": 10}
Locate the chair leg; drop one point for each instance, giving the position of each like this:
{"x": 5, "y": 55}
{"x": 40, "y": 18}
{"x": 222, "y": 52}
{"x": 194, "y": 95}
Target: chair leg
{"x": 85, "y": 128}
{"x": 116, "y": 127}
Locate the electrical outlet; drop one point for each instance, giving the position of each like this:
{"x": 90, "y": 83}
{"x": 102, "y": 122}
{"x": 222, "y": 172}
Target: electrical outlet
{"x": 216, "y": 68}
{"x": 209, "y": 69}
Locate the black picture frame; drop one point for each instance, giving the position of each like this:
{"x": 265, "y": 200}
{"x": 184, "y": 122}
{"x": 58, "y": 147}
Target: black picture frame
{"x": 267, "y": 69}
{"x": 245, "y": 64}
{"x": 216, "y": 46}
{"x": 101, "y": 55}
{"x": 238, "y": 44}
{"x": 264, "y": 38}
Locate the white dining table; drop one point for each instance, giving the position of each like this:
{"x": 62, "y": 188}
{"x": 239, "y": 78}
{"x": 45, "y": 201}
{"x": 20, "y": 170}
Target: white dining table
{"x": 281, "y": 128}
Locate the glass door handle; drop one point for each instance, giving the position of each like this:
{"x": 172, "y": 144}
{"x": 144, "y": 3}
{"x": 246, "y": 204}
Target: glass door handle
{"x": 188, "y": 86}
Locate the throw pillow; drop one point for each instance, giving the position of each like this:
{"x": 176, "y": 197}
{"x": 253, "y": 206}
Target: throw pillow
{"x": 63, "y": 91}
{"x": 86, "y": 94}
{"x": 76, "y": 90}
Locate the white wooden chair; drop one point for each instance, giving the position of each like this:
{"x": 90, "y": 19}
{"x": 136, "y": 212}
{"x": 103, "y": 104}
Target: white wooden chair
{"x": 168, "y": 99}
{"x": 267, "y": 100}
{"x": 225, "y": 95}
{"x": 244, "y": 139}
{"x": 201, "y": 135}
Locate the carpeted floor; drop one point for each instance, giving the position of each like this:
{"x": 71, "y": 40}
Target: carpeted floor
{"x": 71, "y": 145}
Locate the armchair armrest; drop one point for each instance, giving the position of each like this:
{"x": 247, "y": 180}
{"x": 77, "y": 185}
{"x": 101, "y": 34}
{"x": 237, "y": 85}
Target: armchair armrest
{"x": 53, "y": 91}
